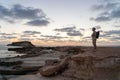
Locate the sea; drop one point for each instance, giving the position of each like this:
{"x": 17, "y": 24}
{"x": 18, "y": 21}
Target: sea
{"x": 4, "y": 53}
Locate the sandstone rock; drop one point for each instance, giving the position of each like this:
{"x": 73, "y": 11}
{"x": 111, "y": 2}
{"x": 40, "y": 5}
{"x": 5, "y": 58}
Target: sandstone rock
{"x": 88, "y": 65}
{"x": 81, "y": 58}
{"x": 48, "y": 70}
{"x": 55, "y": 69}
{"x": 85, "y": 65}
{"x": 51, "y": 62}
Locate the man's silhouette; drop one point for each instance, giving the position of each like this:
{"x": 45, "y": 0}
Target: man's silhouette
{"x": 94, "y": 38}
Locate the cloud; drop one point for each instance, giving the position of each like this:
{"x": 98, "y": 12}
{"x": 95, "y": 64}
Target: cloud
{"x": 98, "y": 27}
{"x": 57, "y": 33}
{"x": 82, "y": 29}
{"x": 86, "y": 39}
{"x": 25, "y": 39}
{"x": 38, "y": 23}
{"x": 70, "y": 31}
{"x": 101, "y": 19}
{"x": 97, "y": 7}
{"x": 19, "y": 12}
{"x": 117, "y": 26}
{"x": 6, "y": 34}
{"x": 22, "y": 12}
{"x": 31, "y": 32}
{"x": 105, "y": 6}
{"x": 67, "y": 29}
{"x": 112, "y": 35}
{"x": 42, "y": 39}
{"x": 74, "y": 33}
{"x": 115, "y": 13}
{"x": 112, "y": 32}
{"x": 28, "y": 34}
{"x": 8, "y": 37}
{"x": 117, "y": 38}
{"x": 114, "y": 39}
{"x": 25, "y": 35}
{"x": 50, "y": 37}
{"x": 107, "y": 11}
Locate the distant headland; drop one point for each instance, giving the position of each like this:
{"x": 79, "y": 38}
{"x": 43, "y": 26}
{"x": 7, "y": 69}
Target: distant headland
{"x": 22, "y": 43}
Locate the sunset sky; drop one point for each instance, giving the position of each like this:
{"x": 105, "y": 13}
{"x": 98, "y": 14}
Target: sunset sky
{"x": 59, "y": 22}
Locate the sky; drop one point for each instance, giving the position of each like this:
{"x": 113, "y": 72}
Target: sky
{"x": 60, "y": 22}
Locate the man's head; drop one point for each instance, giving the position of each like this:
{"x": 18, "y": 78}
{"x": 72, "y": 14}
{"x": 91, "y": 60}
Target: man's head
{"x": 93, "y": 29}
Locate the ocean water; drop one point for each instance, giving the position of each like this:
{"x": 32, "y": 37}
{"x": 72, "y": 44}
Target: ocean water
{"x": 4, "y": 53}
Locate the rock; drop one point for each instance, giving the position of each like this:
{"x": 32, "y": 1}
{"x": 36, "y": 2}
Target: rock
{"x": 64, "y": 62}
{"x": 24, "y": 47}
{"x": 52, "y": 62}
{"x": 70, "y": 49}
{"x": 69, "y": 73}
{"x": 88, "y": 65}
{"x": 10, "y": 63}
{"x": 48, "y": 71}
{"x": 22, "y": 43}
{"x": 19, "y": 70}
{"x": 81, "y": 58}
{"x": 75, "y": 50}
{"x": 55, "y": 69}
{"x": 21, "y": 50}
{"x": 84, "y": 65}
{"x": 111, "y": 62}
{"x": 62, "y": 57}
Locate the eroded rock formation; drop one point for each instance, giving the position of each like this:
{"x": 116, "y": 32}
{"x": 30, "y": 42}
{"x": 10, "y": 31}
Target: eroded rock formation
{"x": 54, "y": 69}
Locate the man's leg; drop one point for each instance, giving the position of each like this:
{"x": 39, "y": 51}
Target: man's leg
{"x": 94, "y": 43}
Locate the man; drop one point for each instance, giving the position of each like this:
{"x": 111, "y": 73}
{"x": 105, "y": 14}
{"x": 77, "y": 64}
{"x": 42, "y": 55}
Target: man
{"x": 94, "y": 38}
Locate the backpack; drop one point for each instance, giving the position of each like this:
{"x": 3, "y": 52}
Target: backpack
{"x": 97, "y": 34}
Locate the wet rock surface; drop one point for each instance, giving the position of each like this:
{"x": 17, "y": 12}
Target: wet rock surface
{"x": 8, "y": 63}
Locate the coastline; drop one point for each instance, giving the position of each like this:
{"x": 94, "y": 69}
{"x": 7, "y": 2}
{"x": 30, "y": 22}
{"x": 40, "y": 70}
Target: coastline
{"x": 41, "y": 54}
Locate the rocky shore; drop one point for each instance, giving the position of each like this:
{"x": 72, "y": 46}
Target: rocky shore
{"x": 62, "y": 63}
